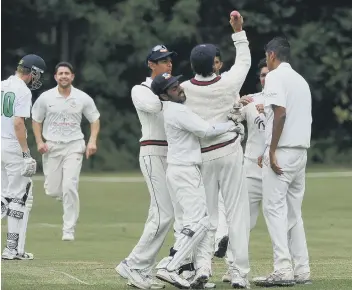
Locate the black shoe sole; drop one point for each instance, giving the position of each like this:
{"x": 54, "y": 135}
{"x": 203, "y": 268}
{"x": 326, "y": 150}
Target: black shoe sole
{"x": 275, "y": 284}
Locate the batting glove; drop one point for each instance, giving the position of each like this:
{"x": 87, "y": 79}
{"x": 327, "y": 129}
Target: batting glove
{"x": 29, "y": 166}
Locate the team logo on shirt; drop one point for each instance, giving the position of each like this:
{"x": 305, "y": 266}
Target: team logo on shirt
{"x": 260, "y": 123}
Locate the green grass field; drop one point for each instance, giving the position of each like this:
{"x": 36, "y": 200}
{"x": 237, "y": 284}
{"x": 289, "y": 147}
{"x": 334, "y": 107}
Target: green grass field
{"x": 112, "y": 219}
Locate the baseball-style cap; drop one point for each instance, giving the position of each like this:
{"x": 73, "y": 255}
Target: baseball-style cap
{"x": 162, "y": 82}
{"x": 203, "y": 54}
{"x": 159, "y": 52}
{"x": 33, "y": 61}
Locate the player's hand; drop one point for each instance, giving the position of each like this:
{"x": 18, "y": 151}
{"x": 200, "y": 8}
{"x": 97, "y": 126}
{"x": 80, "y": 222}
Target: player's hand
{"x": 260, "y": 108}
{"x": 42, "y": 148}
{"x": 245, "y": 100}
{"x": 91, "y": 149}
{"x": 273, "y": 163}
{"x": 29, "y": 165}
{"x": 260, "y": 161}
{"x": 236, "y": 23}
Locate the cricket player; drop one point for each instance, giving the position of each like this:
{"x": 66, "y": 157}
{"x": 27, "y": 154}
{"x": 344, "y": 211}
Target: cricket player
{"x": 57, "y": 116}
{"x": 211, "y": 97}
{"x": 17, "y": 165}
{"x": 184, "y": 180}
{"x": 254, "y": 147}
{"x": 138, "y": 265}
{"x": 288, "y": 105}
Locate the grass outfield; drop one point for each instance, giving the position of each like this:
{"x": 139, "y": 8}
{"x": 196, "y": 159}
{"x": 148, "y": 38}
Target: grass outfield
{"x": 112, "y": 219}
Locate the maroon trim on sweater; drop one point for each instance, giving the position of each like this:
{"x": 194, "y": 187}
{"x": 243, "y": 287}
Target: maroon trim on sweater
{"x": 219, "y": 145}
{"x": 153, "y": 142}
{"x": 205, "y": 83}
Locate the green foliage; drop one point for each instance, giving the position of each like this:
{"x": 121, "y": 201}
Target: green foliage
{"x": 107, "y": 41}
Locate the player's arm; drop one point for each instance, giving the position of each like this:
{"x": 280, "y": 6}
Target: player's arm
{"x": 235, "y": 77}
{"x": 92, "y": 114}
{"x": 22, "y": 110}
{"x": 191, "y": 122}
{"x": 144, "y": 100}
{"x": 276, "y": 98}
{"x": 38, "y": 116}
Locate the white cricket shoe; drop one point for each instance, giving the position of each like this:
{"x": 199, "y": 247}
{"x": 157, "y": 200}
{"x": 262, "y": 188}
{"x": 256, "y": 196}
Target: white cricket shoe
{"x": 283, "y": 278}
{"x": 172, "y": 278}
{"x": 68, "y": 236}
{"x": 201, "y": 278}
{"x": 227, "y": 277}
{"x": 209, "y": 285}
{"x": 303, "y": 278}
{"x": 239, "y": 281}
{"x": 135, "y": 277}
{"x": 8, "y": 254}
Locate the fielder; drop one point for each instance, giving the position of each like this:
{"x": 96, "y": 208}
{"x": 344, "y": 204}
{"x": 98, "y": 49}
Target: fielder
{"x": 138, "y": 265}
{"x": 254, "y": 147}
{"x": 184, "y": 180}
{"x": 57, "y": 116}
{"x": 211, "y": 97}
{"x": 288, "y": 106}
{"x": 17, "y": 165}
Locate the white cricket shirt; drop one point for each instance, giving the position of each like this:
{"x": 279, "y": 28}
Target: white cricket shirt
{"x": 62, "y": 117}
{"x": 255, "y": 144}
{"x": 286, "y": 88}
{"x": 213, "y": 97}
{"x": 149, "y": 111}
{"x": 16, "y": 101}
{"x": 183, "y": 129}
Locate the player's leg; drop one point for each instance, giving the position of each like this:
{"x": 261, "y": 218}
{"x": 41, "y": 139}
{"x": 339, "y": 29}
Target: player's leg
{"x": 71, "y": 169}
{"x": 52, "y": 169}
{"x": 275, "y": 211}
{"x": 16, "y": 194}
{"x": 186, "y": 183}
{"x": 160, "y": 216}
{"x": 4, "y": 186}
{"x": 234, "y": 189}
{"x": 296, "y": 234}
{"x": 209, "y": 172}
{"x": 221, "y": 235}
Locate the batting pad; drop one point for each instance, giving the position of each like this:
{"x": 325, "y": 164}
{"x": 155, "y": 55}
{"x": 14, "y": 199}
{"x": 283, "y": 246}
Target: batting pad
{"x": 189, "y": 239}
{"x": 4, "y": 207}
{"x": 24, "y": 222}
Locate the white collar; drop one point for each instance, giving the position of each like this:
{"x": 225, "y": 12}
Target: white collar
{"x": 205, "y": 79}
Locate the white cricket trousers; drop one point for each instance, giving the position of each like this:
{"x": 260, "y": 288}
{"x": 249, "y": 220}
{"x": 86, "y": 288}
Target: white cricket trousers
{"x": 160, "y": 215}
{"x": 223, "y": 229}
{"x": 255, "y": 189}
{"x": 62, "y": 166}
{"x": 185, "y": 184}
{"x": 282, "y": 207}
{"x": 227, "y": 173}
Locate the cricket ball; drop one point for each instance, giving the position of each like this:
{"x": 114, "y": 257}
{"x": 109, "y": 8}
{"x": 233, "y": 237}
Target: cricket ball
{"x": 235, "y": 14}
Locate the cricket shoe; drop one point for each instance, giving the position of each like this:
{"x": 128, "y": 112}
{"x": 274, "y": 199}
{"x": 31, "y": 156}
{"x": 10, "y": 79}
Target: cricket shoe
{"x": 222, "y": 247}
{"x": 303, "y": 279}
{"x": 227, "y": 277}
{"x": 239, "y": 281}
{"x": 68, "y": 236}
{"x": 8, "y": 254}
{"x": 172, "y": 278}
{"x": 278, "y": 278}
{"x": 209, "y": 285}
{"x": 201, "y": 278}
{"x": 135, "y": 277}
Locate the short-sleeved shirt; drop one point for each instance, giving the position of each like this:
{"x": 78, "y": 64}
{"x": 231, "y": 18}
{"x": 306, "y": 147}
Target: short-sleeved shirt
{"x": 16, "y": 101}
{"x": 286, "y": 88}
{"x": 62, "y": 117}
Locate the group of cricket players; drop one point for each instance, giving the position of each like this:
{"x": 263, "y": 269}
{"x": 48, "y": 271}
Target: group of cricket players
{"x": 200, "y": 182}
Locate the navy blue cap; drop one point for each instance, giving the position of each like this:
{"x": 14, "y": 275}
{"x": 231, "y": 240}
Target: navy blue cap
{"x": 159, "y": 52}
{"x": 162, "y": 82}
{"x": 203, "y": 54}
